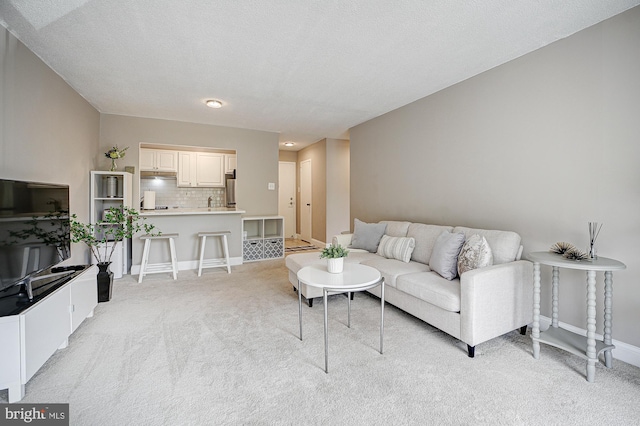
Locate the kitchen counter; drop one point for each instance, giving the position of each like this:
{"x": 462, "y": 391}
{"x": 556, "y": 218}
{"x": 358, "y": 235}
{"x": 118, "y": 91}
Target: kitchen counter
{"x": 189, "y": 211}
{"x": 188, "y": 222}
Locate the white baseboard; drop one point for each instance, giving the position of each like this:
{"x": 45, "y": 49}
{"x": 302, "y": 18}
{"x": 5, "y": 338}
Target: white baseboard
{"x": 187, "y": 265}
{"x": 623, "y": 351}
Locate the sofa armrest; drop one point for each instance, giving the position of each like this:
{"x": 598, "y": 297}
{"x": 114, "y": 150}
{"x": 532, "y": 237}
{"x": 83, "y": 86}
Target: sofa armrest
{"x": 342, "y": 239}
{"x": 495, "y": 300}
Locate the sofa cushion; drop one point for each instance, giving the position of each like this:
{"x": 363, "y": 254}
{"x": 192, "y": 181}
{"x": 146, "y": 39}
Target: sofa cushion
{"x": 391, "y": 269}
{"x": 295, "y": 262}
{"x": 504, "y": 244}
{"x": 396, "y": 228}
{"x": 399, "y": 248}
{"x": 425, "y": 236}
{"x": 444, "y": 259}
{"x": 367, "y": 235}
{"x": 475, "y": 253}
{"x": 432, "y": 288}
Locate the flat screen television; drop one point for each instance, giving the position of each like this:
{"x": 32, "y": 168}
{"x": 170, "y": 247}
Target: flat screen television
{"x": 34, "y": 229}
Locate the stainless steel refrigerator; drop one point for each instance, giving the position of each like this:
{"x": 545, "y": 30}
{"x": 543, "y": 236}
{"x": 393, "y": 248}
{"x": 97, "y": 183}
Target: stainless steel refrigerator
{"x": 230, "y": 189}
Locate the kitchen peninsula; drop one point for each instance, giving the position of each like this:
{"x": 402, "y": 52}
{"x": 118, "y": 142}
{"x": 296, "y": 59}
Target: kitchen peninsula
{"x": 188, "y": 222}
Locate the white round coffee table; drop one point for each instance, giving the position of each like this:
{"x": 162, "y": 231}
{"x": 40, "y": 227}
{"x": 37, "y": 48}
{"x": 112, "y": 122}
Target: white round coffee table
{"x": 353, "y": 278}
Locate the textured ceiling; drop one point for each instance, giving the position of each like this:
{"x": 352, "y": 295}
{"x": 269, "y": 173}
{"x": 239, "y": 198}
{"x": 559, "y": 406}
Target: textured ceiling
{"x": 306, "y": 69}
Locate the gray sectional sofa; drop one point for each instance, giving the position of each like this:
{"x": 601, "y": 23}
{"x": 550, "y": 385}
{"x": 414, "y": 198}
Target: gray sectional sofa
{"x": 474, "y": 307}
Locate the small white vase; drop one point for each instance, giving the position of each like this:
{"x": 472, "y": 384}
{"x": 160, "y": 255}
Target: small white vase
{"x": 335, "y": 266}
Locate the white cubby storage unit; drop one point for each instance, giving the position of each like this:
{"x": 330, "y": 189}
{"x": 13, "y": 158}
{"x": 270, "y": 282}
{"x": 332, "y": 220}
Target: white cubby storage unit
{"x": 112, "y": 189}
{"x": 263, "y": 238}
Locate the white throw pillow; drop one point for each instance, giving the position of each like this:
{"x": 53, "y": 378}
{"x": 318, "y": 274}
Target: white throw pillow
{"x": 444, "y": 258}
{"x": 399, "y": 248}
{"x": 476, "y": 253}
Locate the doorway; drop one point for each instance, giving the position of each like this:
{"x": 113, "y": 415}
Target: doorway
{"x": 287, "y": 196}
{"x": 305, "y": 201}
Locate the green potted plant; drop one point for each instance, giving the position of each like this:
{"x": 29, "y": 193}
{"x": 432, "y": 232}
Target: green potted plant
{"x": 335, "y": 255}
{"x": 118, "y": 223}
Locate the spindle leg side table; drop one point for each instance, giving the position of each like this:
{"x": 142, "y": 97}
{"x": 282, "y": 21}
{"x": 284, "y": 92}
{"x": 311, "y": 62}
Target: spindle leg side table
{"x": 586, "y": 347}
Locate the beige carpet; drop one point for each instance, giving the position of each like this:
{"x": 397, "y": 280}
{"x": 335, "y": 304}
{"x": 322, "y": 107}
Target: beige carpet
{"x": 224, "y": 349}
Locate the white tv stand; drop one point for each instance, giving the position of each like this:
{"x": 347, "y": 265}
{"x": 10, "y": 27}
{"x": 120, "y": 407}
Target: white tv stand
{"x": 31, "y": 337}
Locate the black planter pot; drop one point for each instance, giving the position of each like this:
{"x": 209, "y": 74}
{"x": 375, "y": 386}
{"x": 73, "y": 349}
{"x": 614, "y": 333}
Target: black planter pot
{"x": 105, "y": 282}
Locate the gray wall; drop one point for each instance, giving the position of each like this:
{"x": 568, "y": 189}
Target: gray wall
{"x": 49, "y": 133}
{"x": 540, "y": 145}
{"x": 257, "y": 153}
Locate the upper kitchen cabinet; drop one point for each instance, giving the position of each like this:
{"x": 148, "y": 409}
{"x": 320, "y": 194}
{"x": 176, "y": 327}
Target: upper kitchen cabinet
{"x": 158, "y": 160}
{"x": 209, "y": 169}
{"x": 230, "y": 163}
{"x": 201, "y": 169}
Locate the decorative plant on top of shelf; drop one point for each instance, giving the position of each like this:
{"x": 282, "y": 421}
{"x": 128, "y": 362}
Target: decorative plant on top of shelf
{"x": 113, "y": 154}
{"x": 119, "y": 223}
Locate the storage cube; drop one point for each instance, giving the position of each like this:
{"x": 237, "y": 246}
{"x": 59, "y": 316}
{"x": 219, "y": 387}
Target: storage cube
{"x": 273, "y": 248}
{"x": 252, "y": 250}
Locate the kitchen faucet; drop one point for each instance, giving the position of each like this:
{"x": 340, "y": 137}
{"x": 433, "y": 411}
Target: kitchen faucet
{"x": 209, "y": 201}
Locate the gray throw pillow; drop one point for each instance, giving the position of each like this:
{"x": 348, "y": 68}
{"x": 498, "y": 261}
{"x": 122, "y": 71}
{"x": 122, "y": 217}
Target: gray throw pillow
{"x": 367, "y": 236}
{"x": 444, "y": 258}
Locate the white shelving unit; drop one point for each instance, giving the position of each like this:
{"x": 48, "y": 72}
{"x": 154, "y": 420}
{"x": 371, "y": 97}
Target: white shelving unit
{"x": 112, "y": 189}
{"x": 263, "y": 238}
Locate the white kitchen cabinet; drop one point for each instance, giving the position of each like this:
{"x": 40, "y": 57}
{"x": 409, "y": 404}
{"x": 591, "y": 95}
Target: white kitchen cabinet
{"x": 209, "y": 169}
{"x": 200, "y": 169}
{"x": 158, "y": 160}
{"x": 186, "y": 169}
{"x": 230, "y": 163}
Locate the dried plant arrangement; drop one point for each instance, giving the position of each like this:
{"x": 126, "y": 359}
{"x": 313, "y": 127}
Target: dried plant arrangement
{"x": 561, "y": 247}
{"x": 575, "y": 254}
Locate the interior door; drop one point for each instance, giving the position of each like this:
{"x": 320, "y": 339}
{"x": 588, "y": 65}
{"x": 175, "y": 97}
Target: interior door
{"x": 305, "y": 200}
{"x": 287, "y": 196}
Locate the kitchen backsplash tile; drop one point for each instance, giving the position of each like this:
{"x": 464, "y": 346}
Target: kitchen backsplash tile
{"x": 168, "y": 194}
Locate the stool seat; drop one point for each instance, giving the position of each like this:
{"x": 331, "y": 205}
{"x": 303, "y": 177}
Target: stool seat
{"x": 159, "y": 237}
{"x": 214, "y": 263}
{"x": 156, "y": 268}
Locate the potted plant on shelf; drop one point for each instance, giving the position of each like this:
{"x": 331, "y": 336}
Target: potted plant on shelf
{"x": 101, "y": 238}
{"x": 335, "y": 255}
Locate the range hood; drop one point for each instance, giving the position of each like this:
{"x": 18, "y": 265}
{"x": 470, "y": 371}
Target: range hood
{"x": 166, "y": 175}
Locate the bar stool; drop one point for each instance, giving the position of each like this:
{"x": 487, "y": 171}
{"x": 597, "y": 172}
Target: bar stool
{"x": 214, "y": 263}
{"x": 156, "y": 268}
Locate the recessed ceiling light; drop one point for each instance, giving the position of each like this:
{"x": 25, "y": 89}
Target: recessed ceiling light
{"x": 289, "y": 144}
{"x": 213, "y": 103}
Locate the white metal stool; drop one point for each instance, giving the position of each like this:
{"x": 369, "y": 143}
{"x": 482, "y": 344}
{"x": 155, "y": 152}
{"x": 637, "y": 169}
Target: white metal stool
{"x": 214, "y": 263}
{"x": 156, "y": 268}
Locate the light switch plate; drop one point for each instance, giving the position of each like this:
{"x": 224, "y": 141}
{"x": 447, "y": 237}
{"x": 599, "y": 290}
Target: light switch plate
{"x": 272, "y": 186}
